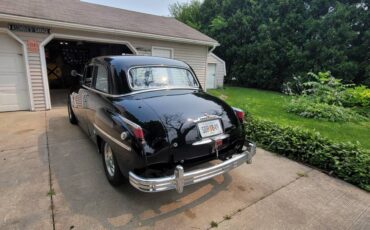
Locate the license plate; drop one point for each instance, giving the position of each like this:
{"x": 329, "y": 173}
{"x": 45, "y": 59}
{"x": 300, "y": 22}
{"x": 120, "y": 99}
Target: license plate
{"x": 210, "y": 128}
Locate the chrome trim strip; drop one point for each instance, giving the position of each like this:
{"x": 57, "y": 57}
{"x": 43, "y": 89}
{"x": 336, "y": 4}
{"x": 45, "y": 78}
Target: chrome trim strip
{"x": 211, "y": 139}
{"x": 97, "y": 91}
{"x": 129, "y": 122}
{"x": 159, "y": 89}
{"x": 139, "y": 91}
{"x": 203, "y": 142}
{"x": 180, "y": 178}
{"x": 128, "y": 148}
{"x": 207, "y": 118}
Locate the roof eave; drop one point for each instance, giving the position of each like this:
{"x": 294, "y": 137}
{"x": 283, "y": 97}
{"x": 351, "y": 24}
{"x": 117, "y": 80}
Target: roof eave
{"x": 69, "y": 25}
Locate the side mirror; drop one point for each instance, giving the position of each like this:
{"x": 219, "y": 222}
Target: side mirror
{"x": 74, "y": 73}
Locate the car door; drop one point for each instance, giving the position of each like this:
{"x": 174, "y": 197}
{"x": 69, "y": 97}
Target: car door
{"x": 79, "y": 99}
{"x": 103, "y": 117}
{"x": 98, "y": 98}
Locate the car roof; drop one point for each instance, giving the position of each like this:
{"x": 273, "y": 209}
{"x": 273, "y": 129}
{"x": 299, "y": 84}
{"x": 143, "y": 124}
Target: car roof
{"x": 128, "y": 61}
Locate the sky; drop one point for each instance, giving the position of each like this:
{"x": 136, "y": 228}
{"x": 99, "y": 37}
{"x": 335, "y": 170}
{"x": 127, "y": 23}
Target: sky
{"x": 157, "y": 7}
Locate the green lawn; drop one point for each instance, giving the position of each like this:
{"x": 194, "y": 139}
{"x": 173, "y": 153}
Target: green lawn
{"x": 270, "y": 105}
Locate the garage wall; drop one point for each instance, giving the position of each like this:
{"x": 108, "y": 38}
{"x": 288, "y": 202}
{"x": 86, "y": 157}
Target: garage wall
{"x": 194, "y": 55}
{"x": 37, "y": 85}
{"x": 220, "y": 69}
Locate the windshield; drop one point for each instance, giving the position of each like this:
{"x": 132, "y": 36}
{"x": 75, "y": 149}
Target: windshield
{"x": 161, "y": 77}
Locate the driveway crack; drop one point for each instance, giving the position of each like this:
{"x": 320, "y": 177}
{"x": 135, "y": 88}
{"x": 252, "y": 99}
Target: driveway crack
{"x": 51, "y": 189}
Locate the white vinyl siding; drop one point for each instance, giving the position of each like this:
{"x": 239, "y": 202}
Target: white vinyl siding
{"x": 220, "y": 69}
{"x": 34, "y": 63}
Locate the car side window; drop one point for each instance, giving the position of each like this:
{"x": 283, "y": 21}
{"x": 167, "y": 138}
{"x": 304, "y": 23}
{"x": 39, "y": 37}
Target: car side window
{"x": 88, "y": 76}
{"x": 101, "y": 82}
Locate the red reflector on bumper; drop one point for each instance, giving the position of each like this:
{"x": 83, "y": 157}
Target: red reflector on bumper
{"x": 218, "y": 143}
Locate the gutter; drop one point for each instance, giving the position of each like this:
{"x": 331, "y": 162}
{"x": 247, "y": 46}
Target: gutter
{"x": 68, "y": 25}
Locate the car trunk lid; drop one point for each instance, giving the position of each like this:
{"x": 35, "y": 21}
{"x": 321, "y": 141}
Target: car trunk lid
{"x": 181, "y": 111}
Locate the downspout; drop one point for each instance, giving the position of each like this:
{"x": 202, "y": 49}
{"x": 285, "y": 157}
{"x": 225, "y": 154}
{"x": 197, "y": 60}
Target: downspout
{"x": 213, "y": 48}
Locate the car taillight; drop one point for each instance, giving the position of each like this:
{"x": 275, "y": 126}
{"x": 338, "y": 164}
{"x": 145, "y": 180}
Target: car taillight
{"x": 138, "y": 133}
{"x": 136, "y": 129}
{"x": 239, "y": 114}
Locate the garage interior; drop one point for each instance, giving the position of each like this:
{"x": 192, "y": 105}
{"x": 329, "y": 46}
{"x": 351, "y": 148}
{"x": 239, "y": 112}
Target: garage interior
{"x": 62, "y": 56}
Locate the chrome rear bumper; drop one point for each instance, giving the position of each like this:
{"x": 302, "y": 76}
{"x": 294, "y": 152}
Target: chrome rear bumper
{"x": 181, "y": 178}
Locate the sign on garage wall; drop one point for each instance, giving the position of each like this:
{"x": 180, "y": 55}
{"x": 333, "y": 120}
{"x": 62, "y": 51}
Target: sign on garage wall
{"x": 29, "y": 29}
{"x": 32, "y": 46}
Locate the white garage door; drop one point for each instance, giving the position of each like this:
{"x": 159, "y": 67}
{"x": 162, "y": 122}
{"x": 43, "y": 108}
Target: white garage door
{"x": 13, "y": 81}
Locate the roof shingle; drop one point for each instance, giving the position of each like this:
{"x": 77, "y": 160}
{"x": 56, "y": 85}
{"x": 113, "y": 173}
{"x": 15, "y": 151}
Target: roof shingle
{"x": 74, "y": 11}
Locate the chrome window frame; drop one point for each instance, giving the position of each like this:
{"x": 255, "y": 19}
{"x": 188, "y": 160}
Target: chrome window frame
{"x": 136, "y": 92}
{"x": 128, "y": 74}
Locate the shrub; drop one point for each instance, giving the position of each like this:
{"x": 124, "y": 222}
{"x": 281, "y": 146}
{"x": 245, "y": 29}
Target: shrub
{"x": 321, "y": 111}
{"x": 324, "y": 88}
{"x": 295, "y": 86}
{"x": 358, "y": 96}
{"x": 363, "y": 111}
{"x": 322, "y": 97}
{"x": 343, "y": 160}
{"x": 320, "y": 88}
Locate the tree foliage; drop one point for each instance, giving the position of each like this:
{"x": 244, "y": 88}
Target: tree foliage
{"x": 188, "y": 13}
{"x": 265, "y": 43}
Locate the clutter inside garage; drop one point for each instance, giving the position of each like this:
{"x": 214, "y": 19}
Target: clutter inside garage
{"x": 62, "y": 56}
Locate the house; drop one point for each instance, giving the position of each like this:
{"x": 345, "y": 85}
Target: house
{"x": 216, "y": 71}
{"x": 41, "y": 41}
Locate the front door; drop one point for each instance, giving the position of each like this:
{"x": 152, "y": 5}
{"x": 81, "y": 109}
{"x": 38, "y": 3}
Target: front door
{"x": 211, "y": 76}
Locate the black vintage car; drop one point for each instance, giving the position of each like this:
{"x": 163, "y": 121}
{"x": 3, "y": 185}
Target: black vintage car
{"x": 152, "y": 122}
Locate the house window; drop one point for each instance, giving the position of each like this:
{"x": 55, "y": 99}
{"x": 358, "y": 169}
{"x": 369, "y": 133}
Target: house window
{"x": 162, "y": 52}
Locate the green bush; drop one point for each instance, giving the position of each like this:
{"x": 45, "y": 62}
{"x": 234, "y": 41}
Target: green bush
{"x": 358, "y": 96}
{"x": 324, "y": 88}
{"x": 323, "y": 97}
{"x": 363, "y": 111}
{"x": 321, "y": 111}
{"x": 343, "y": 160}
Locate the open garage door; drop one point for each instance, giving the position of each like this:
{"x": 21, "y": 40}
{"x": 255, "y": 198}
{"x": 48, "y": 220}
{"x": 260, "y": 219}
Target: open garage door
{"x": 64, "y": 55}
{"x": 13, "y": 78}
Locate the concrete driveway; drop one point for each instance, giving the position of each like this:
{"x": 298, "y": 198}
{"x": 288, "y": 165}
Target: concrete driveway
{"x": 52, "y": 176}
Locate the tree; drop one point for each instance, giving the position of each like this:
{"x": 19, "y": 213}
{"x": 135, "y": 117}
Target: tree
{"x": 188, "y": 13}
{"x": 265, "y": 43}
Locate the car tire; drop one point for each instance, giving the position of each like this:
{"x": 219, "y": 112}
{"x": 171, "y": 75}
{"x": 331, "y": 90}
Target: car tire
{"x": 71, "y": 116}
{"x": 111, "y": 168}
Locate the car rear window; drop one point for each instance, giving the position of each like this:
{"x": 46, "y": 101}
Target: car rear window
{"x": 161, "y": 77}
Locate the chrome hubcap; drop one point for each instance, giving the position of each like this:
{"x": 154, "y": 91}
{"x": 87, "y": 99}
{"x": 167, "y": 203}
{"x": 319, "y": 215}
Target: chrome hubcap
{"x": 108, "y": 157}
